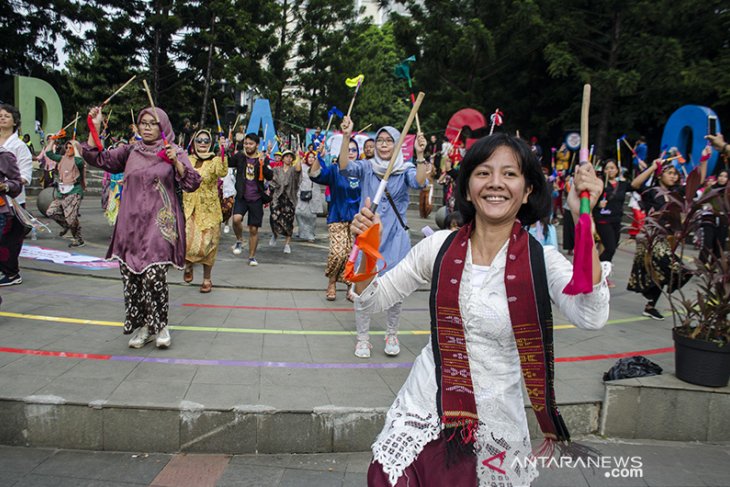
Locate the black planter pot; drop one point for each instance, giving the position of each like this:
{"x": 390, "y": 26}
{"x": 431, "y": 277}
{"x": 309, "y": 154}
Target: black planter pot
{"x": 701, "y": 362}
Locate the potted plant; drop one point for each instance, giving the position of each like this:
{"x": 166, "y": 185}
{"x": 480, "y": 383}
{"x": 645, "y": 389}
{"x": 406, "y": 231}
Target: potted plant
{"x": 701, "y": 329}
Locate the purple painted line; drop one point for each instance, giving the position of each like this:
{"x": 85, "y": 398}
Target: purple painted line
{"x": 254, "y": 363}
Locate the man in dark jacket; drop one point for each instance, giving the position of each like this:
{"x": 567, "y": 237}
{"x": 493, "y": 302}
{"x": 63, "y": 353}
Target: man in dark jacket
{"x": 252, "y": 168}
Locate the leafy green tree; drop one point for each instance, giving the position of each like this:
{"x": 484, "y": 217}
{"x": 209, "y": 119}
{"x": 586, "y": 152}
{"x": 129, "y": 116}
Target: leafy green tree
{"x": 382, "y": 99}
{"x": 105, "y": 58}
{"x": 224, "y": 40}
{"x": 30, "y": 31}
{"x": 322, "y": 27}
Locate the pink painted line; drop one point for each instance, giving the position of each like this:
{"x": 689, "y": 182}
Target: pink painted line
{"x": 289, "y": 365}
{"x": 653, "y": 351}
{"x": 50, "y": 353}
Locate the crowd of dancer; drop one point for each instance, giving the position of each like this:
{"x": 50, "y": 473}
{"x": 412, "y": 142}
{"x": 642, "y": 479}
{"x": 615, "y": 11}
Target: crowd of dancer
{"x": 218, "y": 178}
{"x": 495, "y": 270}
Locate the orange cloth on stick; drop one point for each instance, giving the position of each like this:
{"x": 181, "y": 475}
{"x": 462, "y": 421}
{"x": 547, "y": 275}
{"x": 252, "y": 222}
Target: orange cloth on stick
{"x": 369, "y": 243}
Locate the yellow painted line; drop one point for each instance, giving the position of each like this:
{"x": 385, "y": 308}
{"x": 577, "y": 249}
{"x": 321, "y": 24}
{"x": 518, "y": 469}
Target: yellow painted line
{"x": 60, "y": 319}
{"x": 260, "y": 331}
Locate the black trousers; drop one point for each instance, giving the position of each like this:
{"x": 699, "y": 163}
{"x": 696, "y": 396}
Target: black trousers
{"x": 610, "y": 233}
{"x": 12, "y": 242}
{"x": 714, "y": 238}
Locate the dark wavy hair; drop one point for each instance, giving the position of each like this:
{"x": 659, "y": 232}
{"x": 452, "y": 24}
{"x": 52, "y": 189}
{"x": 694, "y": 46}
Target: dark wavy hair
{"x": 538, "y": 202}
{"x": 13, "y": 112}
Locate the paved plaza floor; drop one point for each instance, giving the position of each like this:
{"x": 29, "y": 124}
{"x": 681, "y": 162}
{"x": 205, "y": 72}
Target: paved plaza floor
{"x": 265, "y": 336}
{"x": 663, "y": 464}
{"x": 266, "y": 330}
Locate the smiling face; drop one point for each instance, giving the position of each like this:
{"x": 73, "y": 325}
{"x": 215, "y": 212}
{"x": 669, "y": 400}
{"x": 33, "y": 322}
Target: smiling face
{"x": 202, "y": 143}
{"x": 497, "y": 188}
{"x": 149, "y": 128}
{"x": 311, "y": 157}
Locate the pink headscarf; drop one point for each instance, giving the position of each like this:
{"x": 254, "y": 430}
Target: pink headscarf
{"x": 165, "y": 125}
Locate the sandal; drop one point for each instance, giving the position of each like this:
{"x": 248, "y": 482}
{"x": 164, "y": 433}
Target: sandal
{"x": 331, "y": 292}
{"x": 207, "y": 286}
{"x": 188, "y": 274}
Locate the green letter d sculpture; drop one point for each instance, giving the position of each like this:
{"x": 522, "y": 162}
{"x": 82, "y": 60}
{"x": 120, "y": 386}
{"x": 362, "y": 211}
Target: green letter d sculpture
{"x": 27, "y": 90}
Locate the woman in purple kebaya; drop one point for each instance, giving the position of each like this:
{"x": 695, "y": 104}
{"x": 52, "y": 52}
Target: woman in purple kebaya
{"x": 149, "y": 234}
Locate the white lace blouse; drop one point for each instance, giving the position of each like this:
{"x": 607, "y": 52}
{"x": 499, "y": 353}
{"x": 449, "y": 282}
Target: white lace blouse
{"x": 413, "y": 421}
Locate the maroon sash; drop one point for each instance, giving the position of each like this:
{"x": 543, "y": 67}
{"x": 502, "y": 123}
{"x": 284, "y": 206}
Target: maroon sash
{"x": 530, "y": 312}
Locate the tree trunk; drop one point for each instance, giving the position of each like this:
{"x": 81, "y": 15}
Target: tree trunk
{"x": 156, "y": 56}
{"x": 604, "y": 117}
{"x": 280, "y": 75}
{"x": 208, "y": 71}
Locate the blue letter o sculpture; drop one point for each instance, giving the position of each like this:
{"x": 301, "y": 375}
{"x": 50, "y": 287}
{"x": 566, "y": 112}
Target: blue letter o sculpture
{"x": 686, "y": 130}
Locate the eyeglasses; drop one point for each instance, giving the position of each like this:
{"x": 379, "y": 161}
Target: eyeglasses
{"x": 201, "y": 140}
{"x": 352, "y": 149}
{"x": 384, "y": 141}
{"x": 148, "y": 125}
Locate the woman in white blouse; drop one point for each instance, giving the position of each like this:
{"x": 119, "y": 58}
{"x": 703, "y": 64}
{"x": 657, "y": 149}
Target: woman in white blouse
{"x": 14, "y": 231}
{"x": 460, "y": 419}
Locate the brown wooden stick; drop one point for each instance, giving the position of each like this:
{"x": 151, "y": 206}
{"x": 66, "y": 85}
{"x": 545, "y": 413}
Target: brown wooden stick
{"x": 72, "y": 122}
{"x": 152, "y": 103}
{"x": 217, "y": 118}
{"x": 402, "y": 139}
{"x": 585, "y": 110}
{"x": 118, "y": 91}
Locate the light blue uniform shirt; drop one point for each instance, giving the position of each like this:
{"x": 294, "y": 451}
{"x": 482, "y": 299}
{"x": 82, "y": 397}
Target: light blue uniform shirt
{"x": 394, "y": 241}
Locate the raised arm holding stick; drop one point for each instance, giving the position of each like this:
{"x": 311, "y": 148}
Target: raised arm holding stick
{"x": 371, "y": 239}
{"x": 586, "y": 264}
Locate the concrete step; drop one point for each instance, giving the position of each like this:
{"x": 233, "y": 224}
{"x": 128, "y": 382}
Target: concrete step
{"x": 51, "y": 421}
{"x": 646, "y": 407}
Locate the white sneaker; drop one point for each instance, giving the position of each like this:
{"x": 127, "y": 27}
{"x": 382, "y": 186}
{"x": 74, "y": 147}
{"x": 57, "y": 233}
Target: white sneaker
{"x": 140, "y": 338}
{"x": 362, "y": 349}
{"x": 391, "y": 345}
{"x": 237, "y": 248}
{"x": 163, "y": 338}
{"x": 287, "y": 249}
{"x": 226, "y": 229}
{"x": 252, "y": 262}
{"x": 272, "y": 241}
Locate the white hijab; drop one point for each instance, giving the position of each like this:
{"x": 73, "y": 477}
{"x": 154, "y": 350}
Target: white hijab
{"x": 380, "y": 165}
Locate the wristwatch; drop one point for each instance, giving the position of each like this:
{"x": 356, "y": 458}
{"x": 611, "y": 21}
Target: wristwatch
{"x": 421, "y": 161}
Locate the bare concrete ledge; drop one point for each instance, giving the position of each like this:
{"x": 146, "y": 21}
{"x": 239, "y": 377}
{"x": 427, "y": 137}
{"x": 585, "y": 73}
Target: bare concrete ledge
{"x": 56, "y": 423}
{"x": 663, "y": 407}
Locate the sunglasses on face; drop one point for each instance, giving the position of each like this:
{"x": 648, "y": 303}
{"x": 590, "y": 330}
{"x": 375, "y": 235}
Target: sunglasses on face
{"x": 202, "y": 140}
